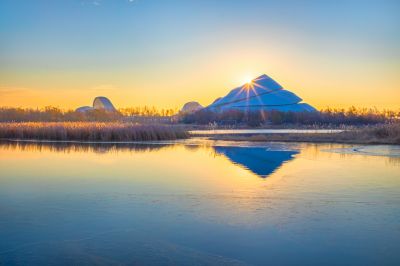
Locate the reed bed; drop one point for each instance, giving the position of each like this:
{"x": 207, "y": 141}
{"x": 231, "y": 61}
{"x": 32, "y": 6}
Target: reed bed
{"x": 90, "y": 131}
{"x": 378, "y": 134}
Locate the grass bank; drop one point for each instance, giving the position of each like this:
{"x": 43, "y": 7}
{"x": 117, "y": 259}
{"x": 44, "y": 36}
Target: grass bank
{"x": 90, "y": 131}
{"x": 380, "y": 134}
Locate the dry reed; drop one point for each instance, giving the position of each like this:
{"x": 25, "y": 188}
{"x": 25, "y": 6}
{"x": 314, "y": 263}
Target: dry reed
{"x": 90, "y": 131}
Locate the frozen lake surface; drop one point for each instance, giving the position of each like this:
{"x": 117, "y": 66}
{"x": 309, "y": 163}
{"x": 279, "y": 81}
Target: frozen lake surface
{"x": 372, "y": 150}
{"x": 199, "y": 202}
{"x": 262, "y": 131}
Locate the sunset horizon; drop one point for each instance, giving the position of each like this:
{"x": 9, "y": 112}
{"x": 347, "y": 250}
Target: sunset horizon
{"x": 22, "y": 98}
{"x": 166, "y": 54}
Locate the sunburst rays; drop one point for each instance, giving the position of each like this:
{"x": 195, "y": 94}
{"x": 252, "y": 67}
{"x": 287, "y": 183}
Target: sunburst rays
{"x": 251, "y": 86}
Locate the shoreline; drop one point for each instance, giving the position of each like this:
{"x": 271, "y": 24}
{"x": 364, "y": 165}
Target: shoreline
{"x": 260, "y": 138}
{"x": 346, "y": 137}
{"x": 120, "y": 133}
{"x": 307, "y": 139}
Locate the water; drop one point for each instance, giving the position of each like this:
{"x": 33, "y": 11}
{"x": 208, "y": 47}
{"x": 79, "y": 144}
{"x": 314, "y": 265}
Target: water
{"x": 263, "y": 131}
{"x": 198, "y": 203}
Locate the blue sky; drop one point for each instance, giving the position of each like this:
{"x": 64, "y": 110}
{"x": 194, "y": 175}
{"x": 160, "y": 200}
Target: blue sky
{"x": 169, "y": 52}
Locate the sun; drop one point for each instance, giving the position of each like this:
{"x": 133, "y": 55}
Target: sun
{"x": 247, "y": 80}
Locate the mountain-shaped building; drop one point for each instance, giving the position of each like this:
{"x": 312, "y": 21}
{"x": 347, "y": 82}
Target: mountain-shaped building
{"x": 262, "y": 93}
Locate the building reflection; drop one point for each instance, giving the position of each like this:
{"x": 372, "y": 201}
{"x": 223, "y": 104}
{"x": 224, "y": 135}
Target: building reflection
{"x": 258, "y": 160}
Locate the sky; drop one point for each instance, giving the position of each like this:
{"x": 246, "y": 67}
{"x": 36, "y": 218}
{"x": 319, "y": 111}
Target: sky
{"x": 165, "y": 53}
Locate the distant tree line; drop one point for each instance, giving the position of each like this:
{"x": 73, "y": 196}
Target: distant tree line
{"x": 54, "y": 114}
{"x": 328, "y": 116}
{"x": 147, "y": 111}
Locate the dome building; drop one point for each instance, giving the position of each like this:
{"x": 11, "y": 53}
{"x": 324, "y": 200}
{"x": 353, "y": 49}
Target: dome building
{"x": 191, "y": 107}
{"x": 83, "y": 109}
{"x": 99, "y": 103}
{"x": 103, "y": 103}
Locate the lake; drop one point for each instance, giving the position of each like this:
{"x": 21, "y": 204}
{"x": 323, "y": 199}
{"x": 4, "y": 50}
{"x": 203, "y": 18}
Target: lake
{"x": 199, "y": 202}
